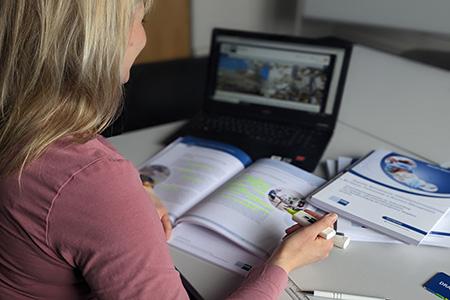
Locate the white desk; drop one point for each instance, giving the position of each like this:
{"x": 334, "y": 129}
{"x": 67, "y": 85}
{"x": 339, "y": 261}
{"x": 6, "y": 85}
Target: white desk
{"x": 394, "y": 271}
{"x": 400, "y": 101}
{"x": 390, "y": 103}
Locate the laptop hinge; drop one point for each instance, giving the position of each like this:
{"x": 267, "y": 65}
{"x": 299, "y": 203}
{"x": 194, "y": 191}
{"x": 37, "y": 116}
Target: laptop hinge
{"x": 323, "y": 125}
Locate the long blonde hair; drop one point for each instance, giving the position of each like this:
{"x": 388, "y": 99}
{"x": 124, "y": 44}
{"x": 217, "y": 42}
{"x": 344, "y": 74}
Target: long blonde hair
{"x": 59, "y": 72}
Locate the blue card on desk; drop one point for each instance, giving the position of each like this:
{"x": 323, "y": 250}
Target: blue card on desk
{"x": 439, "y": 285}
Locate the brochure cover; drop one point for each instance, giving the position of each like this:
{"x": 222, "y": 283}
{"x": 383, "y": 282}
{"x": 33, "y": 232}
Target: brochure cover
{"x": 389, "y": 192}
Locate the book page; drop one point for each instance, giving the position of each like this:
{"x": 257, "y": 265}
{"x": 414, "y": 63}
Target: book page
{"x": 357, "y": 232}
{"x": 392, "y": 193}
{"x": 241, "y": 209}
{"x": 208, "y": 245}
{"x": 189, "y": 169}
{"x": 439, "y": 236}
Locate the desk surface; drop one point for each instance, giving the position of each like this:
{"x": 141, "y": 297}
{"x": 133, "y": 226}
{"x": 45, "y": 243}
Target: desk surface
{"x": 385, "y": 270}
{"x": 405, "y": 103}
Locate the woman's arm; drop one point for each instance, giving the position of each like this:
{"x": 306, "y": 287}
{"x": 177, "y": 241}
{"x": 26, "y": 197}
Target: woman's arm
{"x": 104, "y": 224}
{"x": 301, "y": 246}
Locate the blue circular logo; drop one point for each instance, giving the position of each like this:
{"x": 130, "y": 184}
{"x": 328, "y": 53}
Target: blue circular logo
{"x": 413, "y": 174}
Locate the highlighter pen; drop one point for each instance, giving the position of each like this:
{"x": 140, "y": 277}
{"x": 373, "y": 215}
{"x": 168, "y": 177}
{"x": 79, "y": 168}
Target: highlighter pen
{"x": 305, "y": 219}
{"x": 340, "y": 296}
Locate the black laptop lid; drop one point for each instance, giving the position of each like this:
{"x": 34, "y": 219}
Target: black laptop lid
{"x": 273, "y": 77}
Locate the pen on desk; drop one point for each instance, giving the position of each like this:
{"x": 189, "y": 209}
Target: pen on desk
{"x": 340, "y": 296}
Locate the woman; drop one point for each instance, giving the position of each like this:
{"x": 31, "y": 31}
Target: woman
{"x": 75, "y": 219}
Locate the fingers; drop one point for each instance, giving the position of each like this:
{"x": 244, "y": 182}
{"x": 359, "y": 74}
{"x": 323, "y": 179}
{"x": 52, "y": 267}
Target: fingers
{"x": 301, "y": 247}
{"x": 327, "y": 221}
{"x": 165, "y": 220}
{"x": 167, "y": 226}
{"x": 324, "y": 222}
{"x": 314, "y": 214}
{"x": 331, "y": 218}
{"x": 293, "y": 228}
{"x": 161, "y": 210}
{"x": 147, "y": 186}
{"x": 323, "y": 247}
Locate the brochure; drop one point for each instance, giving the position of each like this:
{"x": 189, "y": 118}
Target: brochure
{"x": 397, "y": 195}
{"x": 440, "y": 236}
{"x": 220, "y": 202}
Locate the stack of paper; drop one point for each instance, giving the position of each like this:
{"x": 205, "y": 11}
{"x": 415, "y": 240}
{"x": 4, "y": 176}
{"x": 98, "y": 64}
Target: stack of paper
{"x": 335, "y": 166}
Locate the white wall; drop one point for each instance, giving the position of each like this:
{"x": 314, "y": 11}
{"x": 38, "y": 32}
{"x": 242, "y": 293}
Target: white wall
{"x": 286, "y": 17}
{"x": 428, "y": 16}
{"x": 275, "y": 16}
{"x": 424, "y": 46}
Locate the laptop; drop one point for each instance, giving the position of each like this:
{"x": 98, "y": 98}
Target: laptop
{"x": 272, "y": 96}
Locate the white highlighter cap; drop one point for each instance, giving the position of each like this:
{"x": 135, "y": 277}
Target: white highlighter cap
{"x": 341, "y": 241}
{"x": 327, "y": 233}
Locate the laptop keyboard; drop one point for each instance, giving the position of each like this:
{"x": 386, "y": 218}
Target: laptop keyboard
{"x": 271, "y": 133}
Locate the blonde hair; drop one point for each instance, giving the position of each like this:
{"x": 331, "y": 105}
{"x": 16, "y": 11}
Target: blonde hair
{"x": 60, "y": 64}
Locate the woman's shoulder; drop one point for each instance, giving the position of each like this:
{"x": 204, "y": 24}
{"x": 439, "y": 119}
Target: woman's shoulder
{"x": 65, "y": 158}
{"x": 81, "y": 153}
{"x": 66, "y": 171}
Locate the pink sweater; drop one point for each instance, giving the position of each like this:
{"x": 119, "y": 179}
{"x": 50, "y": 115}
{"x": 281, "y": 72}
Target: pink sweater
{"x": 81, "y": 226}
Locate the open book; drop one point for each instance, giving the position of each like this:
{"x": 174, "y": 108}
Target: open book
{"x": 397, "y": 195}
{"x": 221, "y": 203}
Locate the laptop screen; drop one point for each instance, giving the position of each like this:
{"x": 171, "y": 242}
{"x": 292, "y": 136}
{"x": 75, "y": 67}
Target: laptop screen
{"x": 277, "y": 74}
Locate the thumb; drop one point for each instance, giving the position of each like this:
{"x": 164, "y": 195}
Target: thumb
{"x": 327, "y": 221}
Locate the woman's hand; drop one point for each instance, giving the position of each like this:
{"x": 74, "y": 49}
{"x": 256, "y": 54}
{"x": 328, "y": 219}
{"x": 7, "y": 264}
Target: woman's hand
{"x": 303, "y": 246}
{"x": 161, "y": 209}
